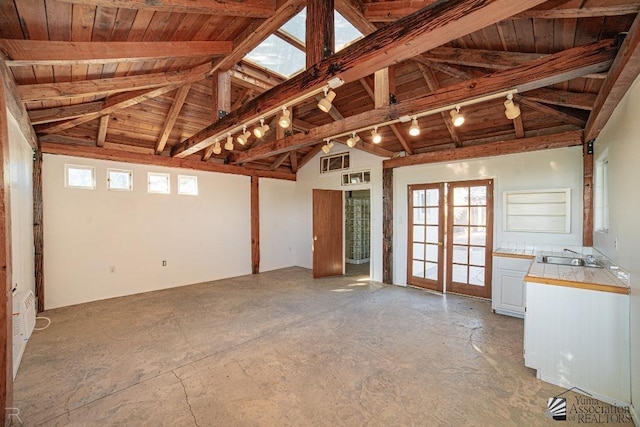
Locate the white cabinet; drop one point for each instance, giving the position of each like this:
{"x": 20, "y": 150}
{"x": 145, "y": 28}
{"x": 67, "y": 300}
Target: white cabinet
{"x": 508, "y": 290}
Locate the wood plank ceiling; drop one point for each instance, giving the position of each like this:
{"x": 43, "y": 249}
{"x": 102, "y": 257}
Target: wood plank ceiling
{"x": 143, "y": 81}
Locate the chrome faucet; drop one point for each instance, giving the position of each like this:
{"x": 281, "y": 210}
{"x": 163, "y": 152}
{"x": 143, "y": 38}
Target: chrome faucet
{"x": 569, "y": 250}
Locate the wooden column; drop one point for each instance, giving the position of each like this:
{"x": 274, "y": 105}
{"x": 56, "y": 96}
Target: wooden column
{"x": 6, "y": 326}
{"x": 381, "y": 88}
{"x": 255, "y": 226}
{"x": 221, "y": 93}
{"x": 587, "y": 195}
{"x": 320, "y": 35}
{"x": 387, "y": 226}
{"x": 38, "y": 232}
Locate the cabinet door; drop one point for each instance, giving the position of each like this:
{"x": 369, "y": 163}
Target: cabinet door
{"x": 513, "y": 291}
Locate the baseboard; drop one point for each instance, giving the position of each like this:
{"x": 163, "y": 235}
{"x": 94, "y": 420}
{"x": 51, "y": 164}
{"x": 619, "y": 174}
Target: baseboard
{"x": 602, "y": 398}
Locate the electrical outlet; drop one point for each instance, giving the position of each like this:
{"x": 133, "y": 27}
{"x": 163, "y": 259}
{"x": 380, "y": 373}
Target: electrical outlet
{"x": 615, "y": 243}
{"x": 164, "y": 263}
{"x": 112, "y": 269}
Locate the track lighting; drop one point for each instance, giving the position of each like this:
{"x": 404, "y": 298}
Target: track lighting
{"x": 216, "y": 147}
{"x": 229, "y": 144}
{"x": 351, "y": 142}
{"x": 244, "y": 137}
{"x": 325, "y": 103}
{"x": 261, "y": 130}
{"x": 285, "y": 119}
{"x": 414, "y": 130}
{"x": 511, "y": 109}
{"x": 375, "y": 136}
{"x": 456, "y": 117}
{"x": 327, "y": 147}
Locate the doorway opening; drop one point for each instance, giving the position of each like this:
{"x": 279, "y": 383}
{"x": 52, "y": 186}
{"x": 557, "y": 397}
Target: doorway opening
{"x": 357, "y": 207}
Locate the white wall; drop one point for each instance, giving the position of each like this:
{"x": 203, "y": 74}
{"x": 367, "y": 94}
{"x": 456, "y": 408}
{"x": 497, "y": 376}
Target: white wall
{"x": 277, "y": 231}
{"x": 559, "y": 168}
{"x": 21, "y": 173}
{"x": 309, "y": 178}
{"x": 620, "y": 136}
{"x": 202, "y": 238}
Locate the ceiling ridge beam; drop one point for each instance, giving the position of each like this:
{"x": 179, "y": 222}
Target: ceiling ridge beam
{"x": 553, "y": 69}
{"x": 399, "y": 41}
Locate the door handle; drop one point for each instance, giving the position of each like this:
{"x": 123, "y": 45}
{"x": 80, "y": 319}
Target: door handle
{"x": 440, "y": 243}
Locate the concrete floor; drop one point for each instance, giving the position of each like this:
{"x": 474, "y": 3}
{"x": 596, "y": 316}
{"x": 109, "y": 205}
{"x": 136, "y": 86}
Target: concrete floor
{"x": 281, "y": 348}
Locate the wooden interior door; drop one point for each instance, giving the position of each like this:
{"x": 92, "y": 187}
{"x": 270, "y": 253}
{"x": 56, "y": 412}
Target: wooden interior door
{"x": 426, "y": 236}
{"x": 327, "y": 233}
{"x": 470, "y": 237}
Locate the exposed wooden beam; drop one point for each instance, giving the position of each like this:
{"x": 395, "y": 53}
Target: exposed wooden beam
{"x": 255, "y": 225}
{"x": 246, "y": 81}
{"x": 310, "y": 155}
{"x": 281, "y": 158}
{"x": 623, "y": 72}
{"x": 150, "y": 159}
{"x": 172, "y": 116}
{"x": 86, "y": 88}
{"x": 523, "y": 145}
{"x": 390, "y": 10}
{"x": 61, "y": 113}
{"x": 38, "y": 232}
{"x": 519, "y": 126}
{"x": 444, "y": 68}
{"x": 580, "y": 101}
{"x": 15, "y": 106}
{"x": 433, "y": 85}
{"x": 221, "y": 93}
{"x": 245, "y": 8}
{"x": 555, "y": 68}
{"x": 259, "y": 30}
{"x": 320, "y": 34}
{"x": 102, "y": 130}
{"x": 125, "y": 102}
{"x": 353, "y": 11}
{"x": 544, "y": 109}
{"x": 381, "y": 88}
{"x": 490, "y": 59}
{"x": 46, "y": 52}
{"x": 293, "y": 41}
{"x": 401, "y": 40}
{"x": 293, "y": 159}
{"x": 387, "y": 227}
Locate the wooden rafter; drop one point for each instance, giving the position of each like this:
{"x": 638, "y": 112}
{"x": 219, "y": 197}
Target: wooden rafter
{"x": 519, "y": 126}
{"x": 401, "y": 40}
{"x": 624, "y": 70}
{"x": 293, "y": 41}
{"x": 310, "y": 155}
{"x": 353, "y": 11}
{"x": 46, "y": 52}
{"x": 281, "y": 158}
{"x": 102, "y": 130}
{"x": 67, "y": 112}
{"x": 15, "y": 105}
{"x": 86, "y": 88}
{"x": 555, "y": 68}
{"x": 172, "y": 116}
{"x": 562, "y": 98}
{"x": 293, "y": 159}
{"x": 567, "y": 139}
{"x": 544, "y": 109}
{"x": 246, "y": 8}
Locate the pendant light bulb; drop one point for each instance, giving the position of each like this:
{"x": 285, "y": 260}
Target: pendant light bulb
{"x": 261, "y": 130}
{"x": 229, "y": 144}
{"x": 414, "y": 130}
{"x": 375, "y": 136}
{"x": 285, "y": 119}
{"x": 325, "y": 103}
{"x": 511, "y": 109}
{"x": 244, "y": 136}
{"x": 456, "y": 117}
{"x": 216, "y": 147}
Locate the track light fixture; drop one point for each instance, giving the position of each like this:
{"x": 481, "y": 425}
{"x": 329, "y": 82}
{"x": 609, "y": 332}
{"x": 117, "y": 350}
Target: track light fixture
{"x": 351, "y": 142}
{"x": 325, "y": 103}
{"x": 244, "y": 136}
{"x": 261, "y": 130}
{"x": 511, "y": 109}
{"x": 327, "y": 147}
{"x": 229, "y": 144}
{"x": 375, "y": 136}
{"x": 285, "y": 119}
{"x": 456, "y": 117}
{"x": 414, "y": 130}
{"x": 216, "y": 147}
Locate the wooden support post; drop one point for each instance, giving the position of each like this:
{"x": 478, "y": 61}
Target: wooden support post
{"x": 387, "y": 226}
{"x": 381, "y": 88}
{"x": 221, "y": 92}
{"x": 587, "y": 194}
{"x": 320, "y": 35}
{"x": 6, "y": 325}
{"x": 255, "y": 225}
{"x": 38, "y": 231}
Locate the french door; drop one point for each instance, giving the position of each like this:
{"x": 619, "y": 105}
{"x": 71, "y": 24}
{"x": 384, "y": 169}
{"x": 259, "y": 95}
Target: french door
{"x": 451, "y": 236}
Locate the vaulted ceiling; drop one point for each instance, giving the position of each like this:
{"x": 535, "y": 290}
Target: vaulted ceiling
{"x": 143, "y": 81}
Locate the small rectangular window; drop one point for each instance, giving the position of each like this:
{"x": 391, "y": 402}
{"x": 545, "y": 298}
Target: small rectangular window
{"x": 601, "y": 194}
{"x": 80, "y": 177}
{"x": 119, "y": 180}
{"x": 158, "y": 183}
{"x": 334, "y": 163}
{"x": 352, "y": 178}
{"x": 188, "y": 184}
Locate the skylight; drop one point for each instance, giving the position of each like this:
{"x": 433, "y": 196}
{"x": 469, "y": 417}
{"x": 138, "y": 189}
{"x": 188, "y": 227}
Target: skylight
{"x": 279, "y": 56}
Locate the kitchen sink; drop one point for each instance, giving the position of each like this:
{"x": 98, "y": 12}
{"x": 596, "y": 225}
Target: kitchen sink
{"x": 579, "y": 262}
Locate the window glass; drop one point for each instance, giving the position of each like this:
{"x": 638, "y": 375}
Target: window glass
{"x": 158, "y": 183}
{"x": 80, "y": 177}
{"x": 119, "y": 180}
{"x": 188, "y": 184}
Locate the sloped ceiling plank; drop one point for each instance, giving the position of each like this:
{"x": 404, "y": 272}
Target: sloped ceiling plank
{"x": 401, "y": 40}
{"x": 246, "y": 8}
{"x": 543, "y": 72}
